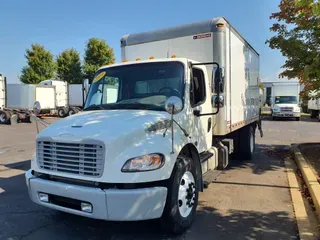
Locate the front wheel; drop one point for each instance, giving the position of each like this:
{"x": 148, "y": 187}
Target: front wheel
{"x": 298, "y": 119}
{"x": 182, "y": 199}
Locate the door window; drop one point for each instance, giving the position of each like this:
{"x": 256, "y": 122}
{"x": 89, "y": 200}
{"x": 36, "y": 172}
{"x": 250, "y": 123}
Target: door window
{"x": 198, "y": 88}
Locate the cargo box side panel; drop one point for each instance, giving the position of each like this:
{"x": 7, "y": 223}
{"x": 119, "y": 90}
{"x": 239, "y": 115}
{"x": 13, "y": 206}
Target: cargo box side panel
{"x": 46, "y": 95}
{"x": 244, "y": 83}
{"x": 20, "y": 96}
{"x": 75, "y": 94}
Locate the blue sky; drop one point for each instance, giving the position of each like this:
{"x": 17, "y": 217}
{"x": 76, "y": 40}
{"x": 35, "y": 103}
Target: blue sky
{"x": 62, "y": 24}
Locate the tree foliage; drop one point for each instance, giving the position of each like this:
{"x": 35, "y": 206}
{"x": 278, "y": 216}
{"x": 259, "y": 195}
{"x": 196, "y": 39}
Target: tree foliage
{"x": 40, "y": 65}
{"x": 69, "y": 66}
{"x": 97, "y": 54}
{"x": 297, "y": 36}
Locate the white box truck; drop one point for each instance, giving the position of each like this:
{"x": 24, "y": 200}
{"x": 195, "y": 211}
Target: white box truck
{"x": 314, "y": 104}
{"x": 155, "y": 129}
{"x": 286, "y": 100}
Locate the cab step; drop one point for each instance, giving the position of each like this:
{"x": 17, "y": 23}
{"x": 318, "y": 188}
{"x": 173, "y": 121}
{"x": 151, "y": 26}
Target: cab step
{"x": 210, "y": 177}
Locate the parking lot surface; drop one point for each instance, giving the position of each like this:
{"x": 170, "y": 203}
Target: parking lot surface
{"x": 249, "y": 200}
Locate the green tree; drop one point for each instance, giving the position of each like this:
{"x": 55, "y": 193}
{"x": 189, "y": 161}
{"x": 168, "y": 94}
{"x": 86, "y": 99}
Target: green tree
{"x": 40, "y": 65}
{"x": 69, "y": 66}
{"x": 297, "y": 36}
{"x": 97, "y": 54}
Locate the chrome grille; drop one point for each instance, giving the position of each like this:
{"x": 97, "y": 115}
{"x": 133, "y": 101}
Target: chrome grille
{"x": 73, "y": 158}
{"x": 286, "y": 109}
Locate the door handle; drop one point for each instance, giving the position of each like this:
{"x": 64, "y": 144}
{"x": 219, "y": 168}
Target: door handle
{"x": 209, "y": 124}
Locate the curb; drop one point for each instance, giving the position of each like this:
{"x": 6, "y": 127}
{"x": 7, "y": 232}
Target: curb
{"x": 309, "y": 178}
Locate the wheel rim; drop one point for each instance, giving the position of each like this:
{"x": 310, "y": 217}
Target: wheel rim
{"x": 2, "y": 117}
{"x": 251, "y": 143}
{"x": 186, "y": 195}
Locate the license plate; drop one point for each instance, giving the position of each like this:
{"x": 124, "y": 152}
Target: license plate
{"x": 287, "y": 115}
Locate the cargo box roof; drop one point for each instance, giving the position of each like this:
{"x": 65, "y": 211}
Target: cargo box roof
{"x": 179, "y": 31}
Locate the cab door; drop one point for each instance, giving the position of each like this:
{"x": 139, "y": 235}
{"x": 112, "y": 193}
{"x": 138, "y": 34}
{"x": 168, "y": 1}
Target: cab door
{"x": 200, "y": 100}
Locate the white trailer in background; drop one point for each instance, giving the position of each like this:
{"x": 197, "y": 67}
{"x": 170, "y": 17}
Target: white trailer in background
{"x": 15, "y": 99}
{"x": 55, "y": 97}
{"x": 155, "y": 130}
{"x": 59, "y": 97}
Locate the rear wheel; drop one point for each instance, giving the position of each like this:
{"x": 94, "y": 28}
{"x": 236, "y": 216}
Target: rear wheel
{"x": 62, "y": 112}
{"x": 72, "y": 111}
{"x": 4, "y": 117}
{"x": 182, "y": 198}
{"x": 247, "y": 142}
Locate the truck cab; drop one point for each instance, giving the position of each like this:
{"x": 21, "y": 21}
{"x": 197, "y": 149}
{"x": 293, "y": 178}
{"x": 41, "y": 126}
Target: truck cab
{"x": 286, "y": 107}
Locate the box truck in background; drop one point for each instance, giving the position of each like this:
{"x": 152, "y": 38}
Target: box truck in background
{"x": 314, "y": 104}
{"x": 286, "y": 100}
{"x": 155, "y": 129}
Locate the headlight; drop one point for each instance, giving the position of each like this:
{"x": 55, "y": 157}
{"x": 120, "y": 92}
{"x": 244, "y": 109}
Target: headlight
{"x": 296, "y": 109}
{"x": 147, "y": 162}
{"x": 276, "y": 109}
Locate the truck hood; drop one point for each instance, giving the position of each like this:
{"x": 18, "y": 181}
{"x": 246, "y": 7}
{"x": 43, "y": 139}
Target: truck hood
{"x": 107, "y": 126}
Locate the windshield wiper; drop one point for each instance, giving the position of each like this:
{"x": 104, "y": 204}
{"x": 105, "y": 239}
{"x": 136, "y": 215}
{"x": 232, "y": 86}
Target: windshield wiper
{"x": 94, "y": 107}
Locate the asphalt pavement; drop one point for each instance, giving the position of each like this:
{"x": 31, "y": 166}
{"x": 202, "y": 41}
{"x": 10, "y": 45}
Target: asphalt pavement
{"x": 249, "y": 200}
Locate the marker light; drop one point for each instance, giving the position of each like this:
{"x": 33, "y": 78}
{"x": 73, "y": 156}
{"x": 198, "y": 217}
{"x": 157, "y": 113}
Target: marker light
{"x": 173, "y": 56}
{"x": 152, "y": 57}
{"x": 220, "y": 25}
{"x": 138, "y": 59}
{"x": 125, "y": 60}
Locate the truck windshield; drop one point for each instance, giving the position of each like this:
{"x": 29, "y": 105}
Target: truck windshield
{"x": 136, "y": 86}
{"x": 286, "y": 99}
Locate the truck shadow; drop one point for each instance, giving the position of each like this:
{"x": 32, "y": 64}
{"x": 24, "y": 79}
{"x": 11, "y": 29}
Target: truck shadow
{"x": 266, "y": 158}
{"x": 25, "y": 220}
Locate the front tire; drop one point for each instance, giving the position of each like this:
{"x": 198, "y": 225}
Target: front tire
{"x": 182, "y": 199}
{"x": 298, "y": 119}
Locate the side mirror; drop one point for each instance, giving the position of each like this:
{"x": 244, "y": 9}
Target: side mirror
{"x": 36, "y": 108}
{"x": 173, "y": 105}
{"x": 217, "y": 80}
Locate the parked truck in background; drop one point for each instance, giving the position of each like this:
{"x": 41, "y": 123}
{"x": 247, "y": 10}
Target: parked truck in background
{"x": 55, "y": 97}
{"x": 155, "y": 128}
{"x": 286, "y": 100}
{"x": 314, "y": 105}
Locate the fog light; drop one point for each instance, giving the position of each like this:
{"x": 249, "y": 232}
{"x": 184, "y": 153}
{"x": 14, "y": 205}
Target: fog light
{"x": 86, "y": 207}
{"x": 44, "y": 197}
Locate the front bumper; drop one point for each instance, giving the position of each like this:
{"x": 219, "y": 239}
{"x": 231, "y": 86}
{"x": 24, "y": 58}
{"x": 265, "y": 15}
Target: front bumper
{"x": 286, "y": 114}
{"x": 108, "y": 204}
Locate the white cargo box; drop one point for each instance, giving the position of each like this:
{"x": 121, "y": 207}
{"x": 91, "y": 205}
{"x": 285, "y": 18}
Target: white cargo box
{"x": 209, "y": 41}
{"x": 20, "y": 96}
{"x": 46, "y": 96}
{"x": 52, "y": 94}
{"x": 75, "y": 95}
